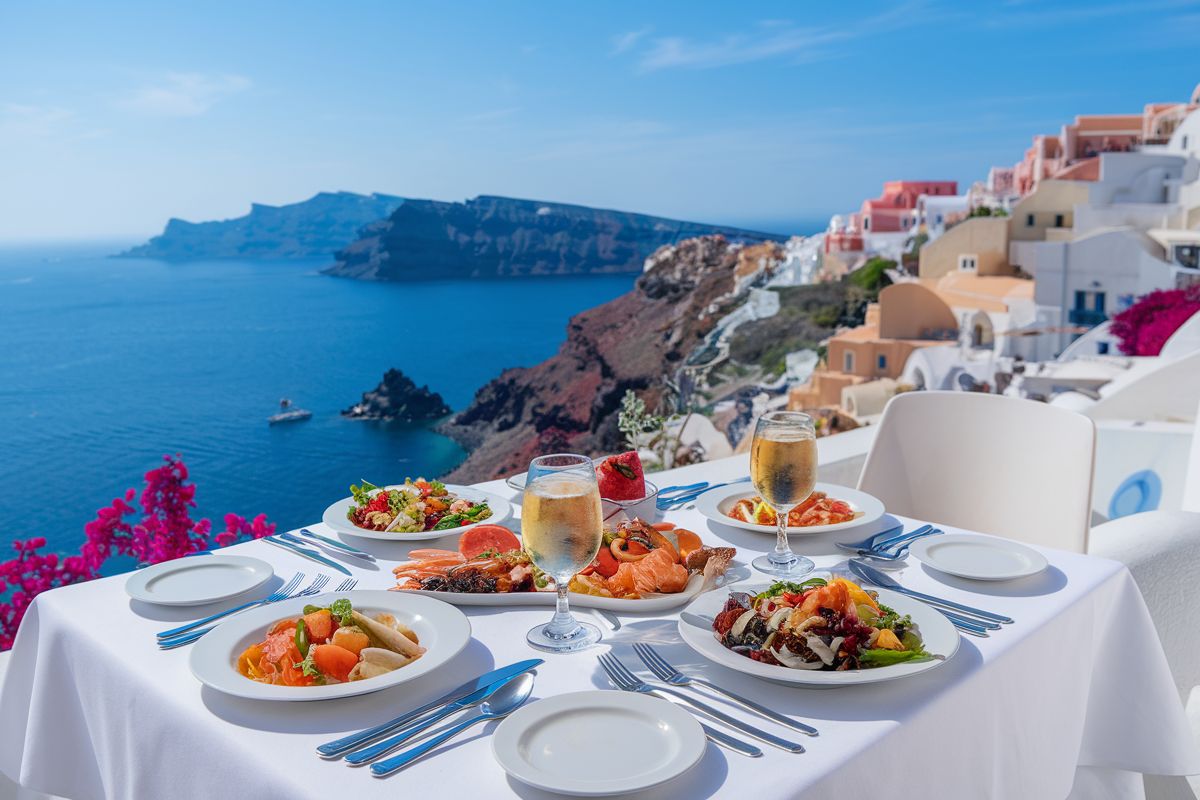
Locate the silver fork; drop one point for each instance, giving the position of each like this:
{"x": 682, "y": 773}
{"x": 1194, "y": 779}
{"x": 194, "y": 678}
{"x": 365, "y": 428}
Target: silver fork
{"x": 179, "y": 641}
{"x": 668, "y": 674}
{"x": 279, "y": 594}
{"x": 626, "y": 681}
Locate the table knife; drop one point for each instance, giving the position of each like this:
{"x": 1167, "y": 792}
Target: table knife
{"x": 345, "y": 548}
{"x": 872, "y": 575}
{"x": 337, "y": 747}
{"x": 288, "y": 544}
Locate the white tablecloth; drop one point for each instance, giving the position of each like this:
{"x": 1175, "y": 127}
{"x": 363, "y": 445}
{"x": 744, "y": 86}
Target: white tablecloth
{"x": 91, "y": 708}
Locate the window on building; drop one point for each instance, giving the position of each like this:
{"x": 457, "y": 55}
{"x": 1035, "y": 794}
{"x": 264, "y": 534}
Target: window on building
{"x": 967, "y": 263}
{"x": 1058, "y": 220}
{"x": 1187, "y": 255}
{"x": 939, "y": 222}
{"x": 881, "y": 362}
{"x": 1029, "y": 220}
{"x": 1101, "y": 348}
{"x": 866, "y": 223}
{"x": 1184, "y": 142}
{"x": 1090, "y": 301}
{"x": 848, "y": 361}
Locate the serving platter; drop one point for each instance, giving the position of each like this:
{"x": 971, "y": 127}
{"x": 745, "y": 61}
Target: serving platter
{"x": 550, "y": 744}
{"x": 979, "y": 557}
{"x": 195, "y": 580}
{"x": 335, "y": 516}
{"x": 441, "y": 629}
{"x": 648, "y": 602}
{"x": 716, "y": 504}
{"x": 939, "y": 634}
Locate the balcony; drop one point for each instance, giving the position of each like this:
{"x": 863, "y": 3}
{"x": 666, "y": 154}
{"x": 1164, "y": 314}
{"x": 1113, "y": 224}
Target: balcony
{"x": 1086, "y": 316}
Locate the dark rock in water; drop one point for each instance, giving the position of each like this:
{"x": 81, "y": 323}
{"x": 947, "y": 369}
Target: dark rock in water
{"x": 319, "y": 226}
{"x": 397, "y": 397}
{"x": 503, "y": 237}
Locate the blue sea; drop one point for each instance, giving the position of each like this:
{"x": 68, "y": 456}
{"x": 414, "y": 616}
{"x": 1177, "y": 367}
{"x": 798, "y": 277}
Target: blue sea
{"x": 106, "y": 364}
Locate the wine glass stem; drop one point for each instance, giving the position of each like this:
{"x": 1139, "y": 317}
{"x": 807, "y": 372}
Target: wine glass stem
{"x": 782, "y": 554}
{"x": 562, "y": 624}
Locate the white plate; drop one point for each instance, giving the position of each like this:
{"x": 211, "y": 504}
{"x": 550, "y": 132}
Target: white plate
{"x": 983, "y": 558}
{"x": 551, "y": 744}
{"x": 938, "y": 633}
{"x": 716, "y": 503}
{"x": 197, "y": 579}
{"x": 648, "y": 602}
{"x": 441, "y": 629}
{"x": 335, "y": 516}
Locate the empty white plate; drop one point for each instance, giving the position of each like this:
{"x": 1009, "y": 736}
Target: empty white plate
{"x": 197, "y": 579}
{"x": 551, "y": 744}
{"x": 982, "y": 558}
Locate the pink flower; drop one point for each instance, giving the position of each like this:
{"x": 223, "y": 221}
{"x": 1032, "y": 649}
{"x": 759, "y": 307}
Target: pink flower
{"x": 1144, "y": 327}
{"x": 165, "y": 531}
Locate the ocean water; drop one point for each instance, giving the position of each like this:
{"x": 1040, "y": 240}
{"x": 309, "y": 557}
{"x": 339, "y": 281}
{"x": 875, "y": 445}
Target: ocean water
{"x": 107, "y": 364}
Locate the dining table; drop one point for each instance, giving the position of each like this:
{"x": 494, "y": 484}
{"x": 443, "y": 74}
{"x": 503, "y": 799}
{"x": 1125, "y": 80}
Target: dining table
{"x": 1075, "y": 693}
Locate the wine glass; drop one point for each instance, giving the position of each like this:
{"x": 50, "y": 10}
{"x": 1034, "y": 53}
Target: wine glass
{"x": 561, "y": 530}
{"x": 783, "y": 468}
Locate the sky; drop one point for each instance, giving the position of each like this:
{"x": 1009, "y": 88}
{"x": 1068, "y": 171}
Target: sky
{"x": 116, "y": 116}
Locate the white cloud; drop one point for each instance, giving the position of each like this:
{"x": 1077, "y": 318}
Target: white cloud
{"x": 186, "y": 94}
{"x": 624, "y": 42}
{"x": 771, "y": 38}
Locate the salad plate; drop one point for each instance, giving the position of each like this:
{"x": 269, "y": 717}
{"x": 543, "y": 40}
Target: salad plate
{"x": 337, "y": 516}
{"x": 197, "y": 580}
{"x": 441, "y": 630}
{"x": 855, "y": 508}
{"x": 938, "y": 637}
{"x": 550, "y": 744}
{"x": 978, "y": 557}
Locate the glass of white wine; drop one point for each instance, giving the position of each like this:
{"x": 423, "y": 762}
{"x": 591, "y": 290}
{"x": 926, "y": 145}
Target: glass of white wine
{"x": 561, "y": 530}
{"x": 783, "y": 468}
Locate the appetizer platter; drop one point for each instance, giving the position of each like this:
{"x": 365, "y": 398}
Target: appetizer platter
{"x": 640, "y": 567}
{"x": 829, "y": 508}
{"x": 327, "y": 646}
{"x": 822, "y": 632}
{"x": 414, "y": 510}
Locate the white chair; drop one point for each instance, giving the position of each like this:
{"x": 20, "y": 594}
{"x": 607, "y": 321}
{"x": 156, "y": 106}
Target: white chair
{"x": 1000, "y": 465}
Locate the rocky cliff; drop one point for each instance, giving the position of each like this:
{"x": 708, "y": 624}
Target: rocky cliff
{"x": 319, "y": 226}
{"x": 397, "y": 397}
{"x": 570, "y": 401}
{"x": 503, "y": 237}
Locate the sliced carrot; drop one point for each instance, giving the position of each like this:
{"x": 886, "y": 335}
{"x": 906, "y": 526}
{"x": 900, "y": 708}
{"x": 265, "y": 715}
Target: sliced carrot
{"x": 663, "y": 526}
{"x": 334, "y": 661}
{"x": 282, "y": 625}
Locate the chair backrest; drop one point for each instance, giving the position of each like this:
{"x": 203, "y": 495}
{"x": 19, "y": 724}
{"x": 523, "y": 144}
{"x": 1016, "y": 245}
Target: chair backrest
{"x": 1000, "y": 465}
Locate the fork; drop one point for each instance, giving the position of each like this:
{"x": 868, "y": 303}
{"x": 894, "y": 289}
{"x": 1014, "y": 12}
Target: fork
{"x": 279, "y": 594}
{"x": 626, "y": 681}
{"x": 682, "y": 495}
{"x": 315, "y": 587}
{"x": 670, "y": 675}
{"x": 875, "y": 547}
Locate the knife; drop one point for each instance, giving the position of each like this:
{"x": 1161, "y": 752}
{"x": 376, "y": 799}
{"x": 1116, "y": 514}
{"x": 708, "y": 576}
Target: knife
{"x": 369, "y": 754}
{"x": 345, "y": 548}
{"x": 288, "y": 544}
{"x": 872, "y": 575}
{"x": 337, "y": 747}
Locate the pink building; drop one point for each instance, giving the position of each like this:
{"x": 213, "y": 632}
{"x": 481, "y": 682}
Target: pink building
{"x": 1073, "y": 154}
{"x": 892, "y": 211}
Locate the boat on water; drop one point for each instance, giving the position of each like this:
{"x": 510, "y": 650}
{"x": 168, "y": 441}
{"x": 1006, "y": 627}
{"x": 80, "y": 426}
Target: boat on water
{"x": 288, "y": 413}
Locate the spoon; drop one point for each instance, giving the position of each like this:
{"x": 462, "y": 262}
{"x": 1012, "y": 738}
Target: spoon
{"x": 502, "y": 703}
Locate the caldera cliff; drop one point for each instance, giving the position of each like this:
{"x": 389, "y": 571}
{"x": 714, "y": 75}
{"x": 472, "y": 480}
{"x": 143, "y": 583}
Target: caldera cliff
{"x": 570, "y": 401}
